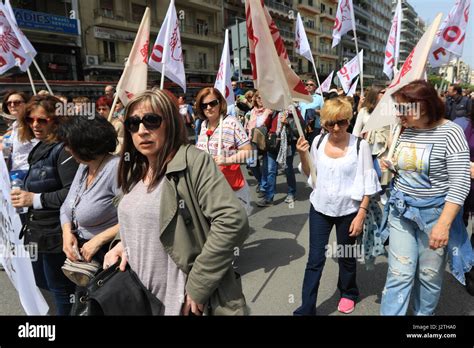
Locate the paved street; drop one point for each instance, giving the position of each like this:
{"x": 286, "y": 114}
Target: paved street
{"x": 272, "y": 264}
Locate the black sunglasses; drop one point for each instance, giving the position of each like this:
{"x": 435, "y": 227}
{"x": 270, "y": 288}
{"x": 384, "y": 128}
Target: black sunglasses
{"x": 150, "y": 121}
{"x": 211, "y": 104}
{"x": 340, "y": 123}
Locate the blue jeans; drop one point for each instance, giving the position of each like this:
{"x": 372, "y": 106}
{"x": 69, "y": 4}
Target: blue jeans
{"x": 49, "y": 276}
{"x": 413, "y": 265}
{"x": 289, "y": 171}
{"x": 197, "y": 128}
{"x": 320, "y": 227}
{"x": 269, "y": 175}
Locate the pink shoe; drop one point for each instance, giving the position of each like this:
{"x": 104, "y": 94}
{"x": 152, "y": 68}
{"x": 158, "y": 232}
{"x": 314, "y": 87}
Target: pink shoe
{"x": 345, "y": 305}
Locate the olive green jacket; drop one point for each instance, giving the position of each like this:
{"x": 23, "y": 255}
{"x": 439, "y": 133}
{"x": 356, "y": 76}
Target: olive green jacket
{"x": 202, "y": 225}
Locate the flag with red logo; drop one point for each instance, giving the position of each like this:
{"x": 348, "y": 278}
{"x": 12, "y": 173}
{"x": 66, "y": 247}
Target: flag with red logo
{"x": 349, "y": 71}
{"x": 450, "y": 36}
{"x": 413, "y": 69}
{"x": 223, "y": 79}
{"x": 344, "y": 21}
{"x": 353, "y": 88}
{"x": 135, "y": 74}
{"x": 271, "y": 72}
{"x": 167, "y": 49}
{"x": 15, "y": 49}
{"x": 392, "y": 50}
{"x": 302, "y": 46}
{"x": 326, "y": 85}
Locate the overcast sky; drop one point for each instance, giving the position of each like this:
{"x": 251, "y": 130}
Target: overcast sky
{"x": 428, "y": 9}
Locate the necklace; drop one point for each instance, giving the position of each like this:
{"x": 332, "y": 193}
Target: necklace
{"x": 92, "y": 176}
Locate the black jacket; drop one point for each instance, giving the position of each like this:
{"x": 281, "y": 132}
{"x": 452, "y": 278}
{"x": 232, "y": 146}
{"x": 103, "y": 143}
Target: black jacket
{"x": 51, "y": 174}
{"x": 462, "y": 107}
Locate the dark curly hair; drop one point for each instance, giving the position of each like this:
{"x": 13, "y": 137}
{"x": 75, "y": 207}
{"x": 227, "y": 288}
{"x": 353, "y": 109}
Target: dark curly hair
{"x": 88, "y": 138}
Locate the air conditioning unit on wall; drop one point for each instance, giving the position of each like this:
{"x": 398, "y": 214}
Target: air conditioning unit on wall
{"x": 92, "y": 60}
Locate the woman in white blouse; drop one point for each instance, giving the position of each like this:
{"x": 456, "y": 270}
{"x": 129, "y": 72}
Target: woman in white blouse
{"x": 345, "y": 181}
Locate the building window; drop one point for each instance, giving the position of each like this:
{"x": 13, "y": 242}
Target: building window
{"x": 330, "y": 11}
{"x": 202, "y": 27}
{"x": 202, "y": 60}
{"x": 107, "y": 8}
{"x": 323, "y": 8}
{"x": 137, "y": 12}
{"x": 310, "y": 2}
{"x": 109, "y": 51}
{"x": 310, "y": 23}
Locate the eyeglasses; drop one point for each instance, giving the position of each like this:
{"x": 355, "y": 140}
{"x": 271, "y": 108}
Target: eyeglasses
{"x": 310, "y": 84}
{"x": 42, "y": 121}
{"x": 150, "y": 121}
{"x": 211, "y": 104}
{"x": 15, "y": 102}
{"x": 340, "y": 123}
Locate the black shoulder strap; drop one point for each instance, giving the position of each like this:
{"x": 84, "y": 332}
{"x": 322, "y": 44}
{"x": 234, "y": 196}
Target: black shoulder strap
{"x": 359, "y": 139}
{"x": 320, "y": 140}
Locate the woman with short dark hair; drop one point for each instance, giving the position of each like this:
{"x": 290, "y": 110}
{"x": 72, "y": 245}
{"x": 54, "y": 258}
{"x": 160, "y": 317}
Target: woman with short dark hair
{"x": 423, "y": 215}
{"x": 47, "y": 183}
{"x": 88, "y": 217}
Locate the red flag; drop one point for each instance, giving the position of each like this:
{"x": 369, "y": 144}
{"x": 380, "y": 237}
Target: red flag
{"x": 271, "y": 72}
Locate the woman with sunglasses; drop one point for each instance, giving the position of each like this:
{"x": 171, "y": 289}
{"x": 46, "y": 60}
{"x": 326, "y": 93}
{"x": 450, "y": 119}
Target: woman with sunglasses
{"x": 179, "y": 221}
{"x": 345, "y": 181}
{"x": 423, "y": 216}
{"x": 15, "y": 104}
{"x": 235, "y": 148}
{"x": 52, "y": 170}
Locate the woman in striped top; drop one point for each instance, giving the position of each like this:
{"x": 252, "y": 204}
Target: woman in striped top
{"x": 431, "y": 165}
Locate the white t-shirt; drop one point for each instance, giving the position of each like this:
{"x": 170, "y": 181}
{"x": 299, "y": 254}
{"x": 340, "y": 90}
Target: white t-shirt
{"x": 341, "y": 183}
{"x": 21, "y": 150}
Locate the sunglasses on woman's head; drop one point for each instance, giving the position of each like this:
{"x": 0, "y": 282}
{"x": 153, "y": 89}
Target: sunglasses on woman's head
{"x": 211, "y": 104}
{"x": 150, "y": 121}
{"x": 340, "y": 123}
{"x": 30, "y": 120}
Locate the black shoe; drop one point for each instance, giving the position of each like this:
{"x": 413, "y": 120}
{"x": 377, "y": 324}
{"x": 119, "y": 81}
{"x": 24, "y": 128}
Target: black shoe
{"x": 264, "y": 203}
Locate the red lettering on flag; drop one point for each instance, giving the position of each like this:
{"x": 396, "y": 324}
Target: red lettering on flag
{"x": 253, "y": 41}
{"x": 300, "y": 88}
{"x": 406, "y": 68}
{"x": 20, "y": 58}
{"x": 2, "y": 61}
{"x": 156, "y": 58}
{"x": 227, "y": 92}
{"x": 144, "y": 51}
{"x": 439, "y": 51}
{"x": 449, "y": 38}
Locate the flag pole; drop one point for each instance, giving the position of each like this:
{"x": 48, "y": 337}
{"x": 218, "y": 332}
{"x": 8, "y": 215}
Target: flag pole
{"x": 361, "y": 68}
{"x": 111, "y": 113}
{"x": 31, "y": 81}
{"x": 219, "y": 143}
{"x": 165, "y": 50}
{"x": 312, "y": 170}
{"x": 317, "y": 76}
{"x": 41, "y": 74}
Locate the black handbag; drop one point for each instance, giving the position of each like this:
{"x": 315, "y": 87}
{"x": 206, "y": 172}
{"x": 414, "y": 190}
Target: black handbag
{"x": 113, "y": 292}
{"x": 273, "y": 143}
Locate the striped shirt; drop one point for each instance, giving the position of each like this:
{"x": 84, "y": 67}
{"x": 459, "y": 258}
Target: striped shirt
{"x": 233, "y": 137}
{"x": 433, "y": 162}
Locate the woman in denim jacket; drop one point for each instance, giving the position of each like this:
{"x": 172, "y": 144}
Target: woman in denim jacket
{"x": 423, "y": 214}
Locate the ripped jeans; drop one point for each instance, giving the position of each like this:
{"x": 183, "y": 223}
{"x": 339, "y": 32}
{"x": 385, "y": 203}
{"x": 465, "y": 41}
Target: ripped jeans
{"x": 413, "y": 266}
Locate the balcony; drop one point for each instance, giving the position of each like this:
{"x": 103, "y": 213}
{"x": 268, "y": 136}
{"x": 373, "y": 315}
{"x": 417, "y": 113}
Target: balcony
{"x": 278, "y": 8}
{"x": 363, "y": 44}
{"x": 327, "y": 53}
{"x": 203, "y": 5}
{"x": 325, "y": 15}
{"x": 310, "y": 30}
{"x": 287, "y": 35}
{"x": 200, "y": 67}
{"x": 120, "y": 20}
{"x": 311, "y": 9}
{"x": 325, "y": 32}
{"x": 112, "y": 62}
{"x": 359, "y": 11}
{"x": 201, "y": 35}
{"x": 362, "y": 28}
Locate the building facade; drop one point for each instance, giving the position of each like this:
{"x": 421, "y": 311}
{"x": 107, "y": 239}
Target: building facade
{"x": 53, "y": 27}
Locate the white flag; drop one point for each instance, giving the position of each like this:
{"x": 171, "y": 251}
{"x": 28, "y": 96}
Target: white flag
{"x": 277, "y": 83}
{"x": 223, "y": 80}
{"x": 25, "y": 43}
{"x": 13, "y": 43}
{"x": 167, "y": 49}
{"x": 353, "y": 88}
{"x": 301, "y": 40}
{"x": 135, "y": 74}
{"x": 326, "y": 85}
{"x": 413, "y": 69}
{"x": 344, "y": 21}
{"x": 450, "y": 37}
{"x": 392, "y": 50}
{"x": 350, "y": 71}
